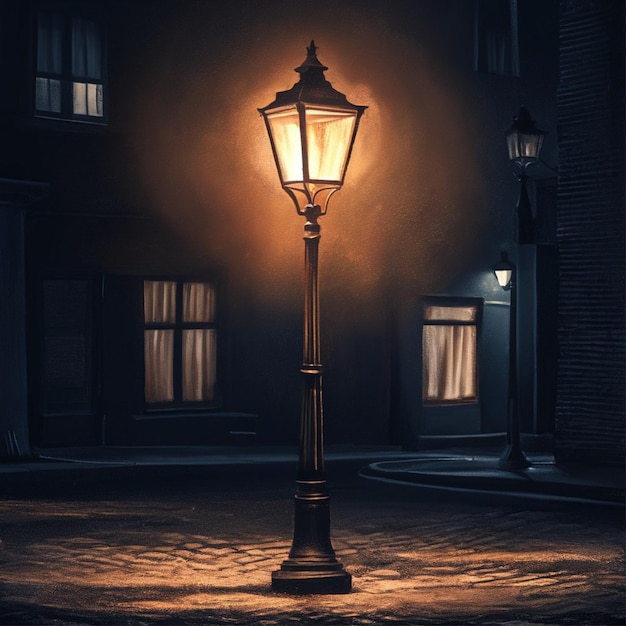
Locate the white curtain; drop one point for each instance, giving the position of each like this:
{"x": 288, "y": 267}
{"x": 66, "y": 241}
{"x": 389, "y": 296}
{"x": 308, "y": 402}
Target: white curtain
{"x": 159, "y": 365}
{"x": 87, "y": 99}
{"x": 49, "y": 49}
{"x": 49, "y": 43}
{"x": 198, "y": 302}
{"x": 86, "y": 49}
{"x": 198, "y": 344}
{"x": 159, "y": 307}
{"x": 198, "y": 364}
{"x": 86, "y": 64}
{"x": 449, "y": 357}
{"x": 159, "y": 301}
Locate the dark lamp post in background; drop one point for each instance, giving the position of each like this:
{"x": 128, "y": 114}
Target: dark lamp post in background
{"x": 524, "y": 141}
{"x": 312, "y": 128}
{"x": 513, "y": 457}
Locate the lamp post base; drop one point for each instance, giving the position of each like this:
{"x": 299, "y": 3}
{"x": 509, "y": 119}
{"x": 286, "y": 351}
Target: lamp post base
{"x": 513, "y": 459}
{"x": 308, "y": 578}
{"x": 312, "y": 566}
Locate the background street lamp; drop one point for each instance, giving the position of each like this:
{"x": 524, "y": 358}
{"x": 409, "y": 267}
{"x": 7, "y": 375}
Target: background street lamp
{"x": 524, "y": 142}
{"x": 312, "y": 128}
{"x": 513, "y": 457}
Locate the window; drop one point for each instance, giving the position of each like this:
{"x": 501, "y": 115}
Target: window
{"x": 496, "y": 46}
{"x": 449, "y": 349}
{"x": 180, "y": 342}
{"x": 69, "y": 80}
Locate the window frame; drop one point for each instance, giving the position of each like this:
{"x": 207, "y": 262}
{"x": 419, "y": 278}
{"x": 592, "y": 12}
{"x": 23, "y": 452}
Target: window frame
{"x": 178, "y": 326}
{"x": 452, "y": 302}
{"x": 68, "y": 12}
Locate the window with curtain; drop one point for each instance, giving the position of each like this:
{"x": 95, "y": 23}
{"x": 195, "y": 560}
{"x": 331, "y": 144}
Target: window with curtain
{"x": 180, "y": 342}
{"x": 496, "y": 43}
{"x": 70, "y": 67}
{"x": 449, "y": 353}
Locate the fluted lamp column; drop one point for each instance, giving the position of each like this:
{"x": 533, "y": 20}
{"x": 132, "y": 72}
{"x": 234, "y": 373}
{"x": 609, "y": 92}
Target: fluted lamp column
{"x": 312, "y": 128}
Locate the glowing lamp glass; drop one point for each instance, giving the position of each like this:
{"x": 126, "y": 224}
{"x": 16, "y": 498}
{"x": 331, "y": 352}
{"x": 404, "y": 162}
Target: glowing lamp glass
{"x": 503, "y": 277}
{"x": 312, "y": 128}
{"x": 524, "y": 146}
{"x": 311, "y": 144}
{"x": 524, "y": 139}
{"x": 328, "y": 136}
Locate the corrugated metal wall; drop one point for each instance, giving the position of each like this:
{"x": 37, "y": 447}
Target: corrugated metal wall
{"x": 590, "y": 233}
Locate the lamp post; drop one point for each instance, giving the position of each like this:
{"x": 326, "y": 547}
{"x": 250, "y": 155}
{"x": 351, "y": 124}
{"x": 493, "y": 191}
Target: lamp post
{"x": 513, "y": 457}
{"x": 311, "y": 128}
{"x": 524, "y": 142}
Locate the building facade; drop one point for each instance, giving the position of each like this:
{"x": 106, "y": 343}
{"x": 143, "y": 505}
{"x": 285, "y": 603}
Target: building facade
{"x": 152, "y": 268}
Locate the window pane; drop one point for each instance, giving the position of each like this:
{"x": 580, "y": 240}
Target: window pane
{"x": 328, "y": 137}
{"x": 48, "y": 95}
{"x": 451, "y": 313}
{"x": 94, "y": 100}
{"x": 285, "y": 125}
{"x": 159, "y": 365}
{"x": 49, "y": 43}
{"x": 159, "y": 301}
{"x": 496, "y": 46}
{"x": 88, "y": 99}
{"x": 199, "y": 359}
{"x": 449, "y": 360}
{"x": 86, "y": 49}
{"x": 80, "y": 98}
{"x": 198, "y": 302}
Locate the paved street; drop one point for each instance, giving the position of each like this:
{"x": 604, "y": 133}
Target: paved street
{"x": 174, "y": 546}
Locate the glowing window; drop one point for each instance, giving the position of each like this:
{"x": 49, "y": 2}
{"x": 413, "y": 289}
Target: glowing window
{"x": 70, "y": 68}
{"x": 449, "y": 353}
{"x": 180, "y": 342}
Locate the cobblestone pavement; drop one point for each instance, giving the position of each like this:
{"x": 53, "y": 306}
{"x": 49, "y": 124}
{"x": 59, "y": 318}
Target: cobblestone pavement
{"x": 202, "y": 552}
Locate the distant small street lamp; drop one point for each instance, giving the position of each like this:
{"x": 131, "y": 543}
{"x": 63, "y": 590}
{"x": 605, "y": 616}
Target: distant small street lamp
{"x": 513, "y": 457}
{"x": 504, "y": 272}
{"x": 312, "y": 128}
{"x": 524, "y": 141}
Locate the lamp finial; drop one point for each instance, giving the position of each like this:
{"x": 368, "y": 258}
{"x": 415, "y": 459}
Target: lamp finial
{"x": 312, "y": 62}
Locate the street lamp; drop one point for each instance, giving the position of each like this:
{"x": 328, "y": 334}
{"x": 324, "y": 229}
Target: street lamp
{"x": 513, "y": 457}
{"x": 312, "y": 128}
{"x": 523, "y": 140}
{"x": 504, "y": 271}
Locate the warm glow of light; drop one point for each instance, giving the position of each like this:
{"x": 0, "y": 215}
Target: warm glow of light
{"x": 133, "y": 558}
{"x": 524, "y": 146}
{"x": 413, "y": 183}
{"x": 504, "y": 276}
{"x": 328, "y": 138}
{"x": 285, "y": 125}
{"x": 311, "y": 146}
